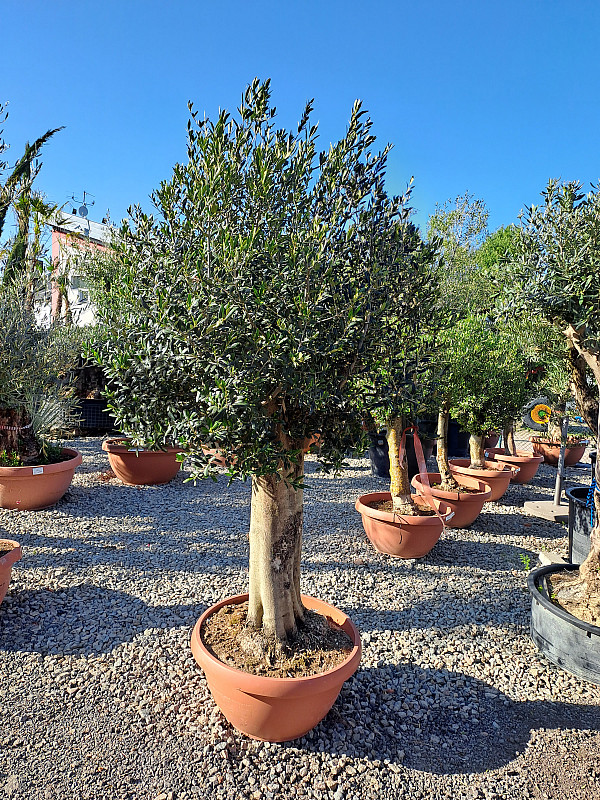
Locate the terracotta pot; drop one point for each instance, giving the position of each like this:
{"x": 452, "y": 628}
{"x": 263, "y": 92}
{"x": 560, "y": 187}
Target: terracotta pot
{"x": 497, "y": 479}
{"x": 275, "y": 709}
{"x": 551, "y": 451}
{"x": 527, "y": 463}
{"x": 467, "y": 506}
{"x": 33, "y": 488}
{"x": 312, "y": 442}
{"x": 491, "y": 440}
{"x": 400, "y": 536}
{"x": 138, "y": 467}
{"x": 217, "y": 457}
{"x": 6, "y": 563}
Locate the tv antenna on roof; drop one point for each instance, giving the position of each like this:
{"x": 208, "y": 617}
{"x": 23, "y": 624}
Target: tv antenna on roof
{"x": 82, "y": 211}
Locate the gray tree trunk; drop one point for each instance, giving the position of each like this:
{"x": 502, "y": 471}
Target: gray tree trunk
{"x": 275, "y": 607}
{"x": 449, "y": 483}
{"x": 477, "y": 451}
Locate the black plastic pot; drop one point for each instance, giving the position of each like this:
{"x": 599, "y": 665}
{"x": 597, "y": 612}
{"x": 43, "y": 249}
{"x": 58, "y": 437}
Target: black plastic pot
{"x": 565, "y": 640}
{"x": 593, "y": 454}
{"x": 580, "y": 523}
{"x": 380, "y": 457}
{"x": 458, "y": 441}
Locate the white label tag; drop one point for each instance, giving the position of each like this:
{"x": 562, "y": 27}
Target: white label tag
{"x": 135, "y": 450}
{"x": 37, "y": 471}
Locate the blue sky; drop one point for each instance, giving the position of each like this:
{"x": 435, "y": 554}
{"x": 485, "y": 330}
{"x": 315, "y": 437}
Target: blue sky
{"x": 488, "y": 97}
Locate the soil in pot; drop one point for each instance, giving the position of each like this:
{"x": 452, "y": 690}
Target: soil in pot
{"x": 272, "y": 708}
{"x": 138, "y": 467}
{"x": 319, "y": 645}
{"x": 527, "y": 463}
{"x": 466, "y": 503}
{"x": 36, "y": 487}
{"x": 497, "y": 477}
{"x": 10, "y": 553}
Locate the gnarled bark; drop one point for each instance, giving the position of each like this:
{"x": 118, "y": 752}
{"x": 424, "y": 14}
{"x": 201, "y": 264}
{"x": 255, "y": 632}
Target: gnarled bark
{"x": 449, "y": 483}
{"x": 508, "y": 434}
{"x": 274, "y": 606}
{"x": 586, "y": 396}
{"x": 17, "y": 436}
{"x": 477, "y": 451}
{"x": 399, "y": 480}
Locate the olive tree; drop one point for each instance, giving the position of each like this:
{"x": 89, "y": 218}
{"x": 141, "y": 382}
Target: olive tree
{"x": 34, "y": 380}
{"x": 397, "y": 390}
{"x": 557, "y": 275}
{"x": 484, "y": 378}
{"x": 240, "y": 314}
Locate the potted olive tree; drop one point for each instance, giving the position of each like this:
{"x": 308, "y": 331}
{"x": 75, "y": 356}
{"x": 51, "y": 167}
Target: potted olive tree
{"x": 488, "y": 373}
{"x": 34, "y": 401}
{"x": 398, "y": 522}
{"x": 557, "y": 275}
{"x": 237, "y": 319}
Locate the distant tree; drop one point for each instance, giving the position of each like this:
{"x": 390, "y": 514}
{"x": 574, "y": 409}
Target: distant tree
{"x": 21, "y": 253}
{"x": 461, "y": 226}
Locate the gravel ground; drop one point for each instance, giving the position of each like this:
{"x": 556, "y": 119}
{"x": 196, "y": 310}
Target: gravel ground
{"x": 101, "y": 698}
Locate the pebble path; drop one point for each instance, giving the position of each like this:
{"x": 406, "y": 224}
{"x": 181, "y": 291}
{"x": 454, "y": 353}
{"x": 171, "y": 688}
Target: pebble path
{"x": 101, "y": 698}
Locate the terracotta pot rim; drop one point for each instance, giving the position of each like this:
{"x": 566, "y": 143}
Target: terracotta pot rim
{"x": 250, "y": 683}
{"x": 554, "y": 443}
{"x": 362, "y": 507}
{"x": 479, "y": 470}
{"x": 48, "y": 469}
{"x": 522, "y": 456}
{"x": 474, "y": 497}
{"x": 112, "y": 446}
{"x": 13, "y": 556}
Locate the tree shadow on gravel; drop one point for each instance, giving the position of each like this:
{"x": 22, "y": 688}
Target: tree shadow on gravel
{"x": 152, "y": 550}
{"x": 464, "y": 726}
{"x": 84, "y": 620}
{"x": 494, "y": 522}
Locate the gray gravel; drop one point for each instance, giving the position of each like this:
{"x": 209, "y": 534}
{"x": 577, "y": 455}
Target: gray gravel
{"x": 101, "y": 698}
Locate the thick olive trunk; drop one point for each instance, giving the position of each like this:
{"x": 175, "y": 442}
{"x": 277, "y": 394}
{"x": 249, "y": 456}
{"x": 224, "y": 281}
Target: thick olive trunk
{"x": 449, "y": 483}
{"x": 510, "y": 446}
{"x": 477, "y": 451}
{"x": 585, "y": 394}
{"x": 274, "y": 605}
{"x": 399, "y": 480}
{"x": 17, "y": 436}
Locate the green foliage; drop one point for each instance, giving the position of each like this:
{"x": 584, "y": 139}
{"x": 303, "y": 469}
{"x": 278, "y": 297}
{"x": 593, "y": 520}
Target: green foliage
{"x": 497, "y": 250}
{"x": 393, "y": 386}
{"x": 34, "y": 364}
{"x": 461, "y": 227}
{"x": 241, "y": 315}
{"x": 525, "y": 559}
{"x": 485, "y": 372}
{"x": 558, "y": 257}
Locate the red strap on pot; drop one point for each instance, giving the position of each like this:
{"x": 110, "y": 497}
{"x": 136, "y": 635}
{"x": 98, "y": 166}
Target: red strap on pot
{"x": 423, "y": 476}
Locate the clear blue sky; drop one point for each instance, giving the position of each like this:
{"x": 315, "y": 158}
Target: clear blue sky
{"x": 488, "y": 97}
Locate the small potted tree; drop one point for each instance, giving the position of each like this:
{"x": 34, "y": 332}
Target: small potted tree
{"x": 489, "y": 376}
{"x": 238, "y": 319}
{"x": 34, "y": 401}
{"x": 397, "y": 522}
